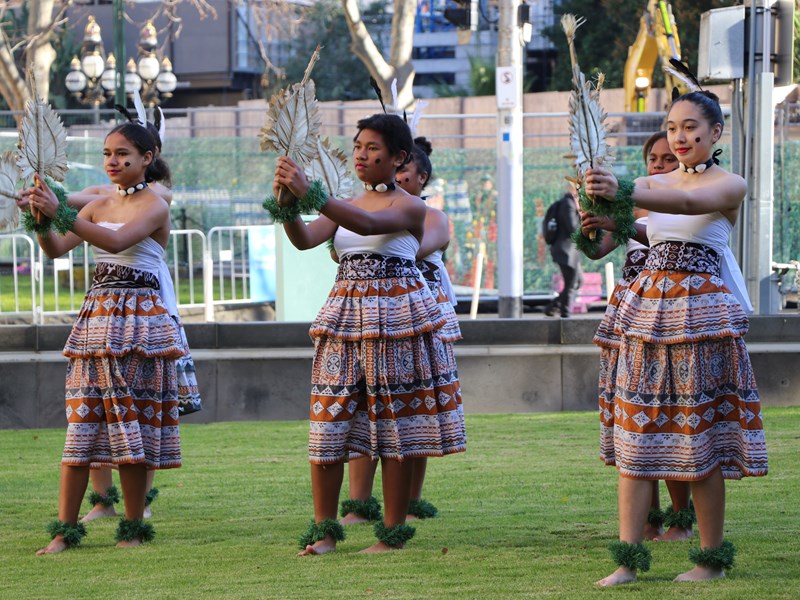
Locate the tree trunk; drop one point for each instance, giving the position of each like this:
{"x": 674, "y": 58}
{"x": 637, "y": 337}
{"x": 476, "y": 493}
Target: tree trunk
{"x": 40, "y": 54}
{"x": 400, "y": 66}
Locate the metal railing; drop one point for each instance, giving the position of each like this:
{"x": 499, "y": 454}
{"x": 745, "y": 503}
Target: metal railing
{"x": 34, "y": 287}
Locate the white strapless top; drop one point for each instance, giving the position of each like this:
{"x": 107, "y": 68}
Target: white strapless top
{"x": 147, "y": 255}
{"x": 713, "y": 230}
{"x": 401, "y": 244}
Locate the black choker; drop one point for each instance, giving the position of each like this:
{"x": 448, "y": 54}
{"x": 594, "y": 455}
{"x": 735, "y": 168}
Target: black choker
{"x": 702, "y": 166}
{"x": 380, "y": 187}
{"x": 131, "y": 190}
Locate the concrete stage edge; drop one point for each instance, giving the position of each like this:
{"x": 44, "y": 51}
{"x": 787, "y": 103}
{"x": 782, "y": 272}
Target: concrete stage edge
{"x": 260, "y": 371}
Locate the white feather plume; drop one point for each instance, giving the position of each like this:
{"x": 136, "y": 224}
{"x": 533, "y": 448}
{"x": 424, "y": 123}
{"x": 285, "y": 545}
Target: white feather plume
{"x": 42, "y": 141}
{"x": 141, "y": 112}
{"x": 418, "y": 109}
{"x": 393, "y": 89}
{"x": 9, "y": 177}
{"x": 330, "y": 165}
{"x": 586, "y": 116}
{"x": 293, "y": 120}
{"x": 162, "y": 125}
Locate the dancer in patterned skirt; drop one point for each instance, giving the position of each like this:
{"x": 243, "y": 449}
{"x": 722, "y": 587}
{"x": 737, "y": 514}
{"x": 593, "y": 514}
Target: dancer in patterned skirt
{"x": 382, "y": 383}
{"x": 686, "y": 405}
{"x": 104, "y": 494}
{"x": 121, "y": 388}
{"x": 412, "y": 177}
{"x": 679, "y": 516}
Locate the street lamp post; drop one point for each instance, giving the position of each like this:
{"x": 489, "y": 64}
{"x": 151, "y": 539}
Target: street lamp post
{"x": 93, "y": 77}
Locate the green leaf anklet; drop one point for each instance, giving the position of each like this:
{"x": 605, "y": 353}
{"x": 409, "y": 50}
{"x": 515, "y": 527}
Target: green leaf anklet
{"x": 632, "y": 556}
{"x": 110, "y": 498}
{"x": 422, "y": 509}
{"x": 716, "y": 558}
{"x": 318, "y": 531}
{"x": 368, "y": 509}
{"x": 395, "y": 536}
{"x": 130, "y": 530}
{"x": 73, "y": 534}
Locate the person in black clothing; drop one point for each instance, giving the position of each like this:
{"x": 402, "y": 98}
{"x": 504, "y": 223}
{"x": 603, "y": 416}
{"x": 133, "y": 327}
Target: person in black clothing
{"x": 566, "y": 255}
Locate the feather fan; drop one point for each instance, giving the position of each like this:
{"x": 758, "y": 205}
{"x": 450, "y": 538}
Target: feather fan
{"x": 9, "y": 176}
{"x": 42, "y": 141}
{"x": 330, "y": 166}
{"x": 587, "y": 127}
{"x": 293, "y": 121}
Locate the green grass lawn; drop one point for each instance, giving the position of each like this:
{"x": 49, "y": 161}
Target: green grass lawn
{"x": 526, "y": 512}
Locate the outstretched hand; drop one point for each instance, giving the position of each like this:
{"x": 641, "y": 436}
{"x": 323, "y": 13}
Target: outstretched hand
{"x": 290, "y": 176}
{"x": 601, "y": 183}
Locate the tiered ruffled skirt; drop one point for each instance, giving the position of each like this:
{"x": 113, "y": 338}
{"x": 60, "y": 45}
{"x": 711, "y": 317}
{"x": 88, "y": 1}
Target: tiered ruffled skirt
{"x": 609, "y": 341}
{"x": 685, "y": 399}
{"x": 121, "y": 384}
{"x": 383, "y": 380}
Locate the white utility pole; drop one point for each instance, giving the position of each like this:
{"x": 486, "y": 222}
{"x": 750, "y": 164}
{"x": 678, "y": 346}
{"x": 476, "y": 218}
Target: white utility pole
{"x": 509, "y": 160}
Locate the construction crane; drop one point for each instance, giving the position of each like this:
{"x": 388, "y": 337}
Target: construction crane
{"x": 657, "y": 40}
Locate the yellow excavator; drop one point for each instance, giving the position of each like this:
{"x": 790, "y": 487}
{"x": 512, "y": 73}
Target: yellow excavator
{"x": 657, "y": 41}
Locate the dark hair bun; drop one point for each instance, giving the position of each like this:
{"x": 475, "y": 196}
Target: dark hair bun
{"x": 424, "y": 145}
{"x": 710, "y": 94}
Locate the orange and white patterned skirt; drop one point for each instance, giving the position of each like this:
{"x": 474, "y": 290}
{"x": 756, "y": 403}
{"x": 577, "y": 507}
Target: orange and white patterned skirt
{"x": 383, "y": 381}
{"x": 609, "y": 340}
{"x": 685, "y": 398}
{"x": 121, "y": 384}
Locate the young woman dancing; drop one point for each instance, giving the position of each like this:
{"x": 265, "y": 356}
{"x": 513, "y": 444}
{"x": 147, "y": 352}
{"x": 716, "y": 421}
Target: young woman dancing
{"x": 104, "y": 494}
{"x": 413, "y": 176}
{"x": 679, "y": 517}
{"x": 380, "y": 382}
{"x": 121, "y": 386}
{"x": 686, "y": 404}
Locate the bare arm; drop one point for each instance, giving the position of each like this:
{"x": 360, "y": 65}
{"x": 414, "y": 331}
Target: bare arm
{"x": 723, "y": 193}
{"x": 590, "y": 223}
{"x": 405, "y": 212}
{"x": 309, "y": 235}
{"x": 153, "y": 217}
{"x": 436, "y": 235}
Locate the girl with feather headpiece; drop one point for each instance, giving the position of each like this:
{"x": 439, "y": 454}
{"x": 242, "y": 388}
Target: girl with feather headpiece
{"x": 105, "y": 494}
{"x": 686, "y": 402}
{"x": 379, "y": 385}
{"x": 413, "y": 177}
{"x": 121, "y": 385}
{"x": 679, "y": 516}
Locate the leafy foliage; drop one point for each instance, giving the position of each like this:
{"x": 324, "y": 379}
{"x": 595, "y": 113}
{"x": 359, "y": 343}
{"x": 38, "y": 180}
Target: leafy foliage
{"x": 339, "y": 75}
{"x": 600, "y": 52}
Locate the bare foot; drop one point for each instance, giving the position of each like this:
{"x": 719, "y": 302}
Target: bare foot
{"x": 325, "y": 545}
{"x": 701, "y": 574}
{"x": 621, "y": 575}
{"x": 147, "y": 513}
{"x": 353, "y": 519}
{"x": 411, "y": 517}
{"x": 380, "y": 547}
{"x": 675, "y": 534}
{"x": 57, "y": 545}
{"x": 652, "y": 532}
{"x": 99, "y": 511}
{"x": 129, "y": 543}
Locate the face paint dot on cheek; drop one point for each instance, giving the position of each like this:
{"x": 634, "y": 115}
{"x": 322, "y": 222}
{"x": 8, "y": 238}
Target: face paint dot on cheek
{"x": 697, "y": 140}
{"x": 377, "y": 161}
{"x": 127, "y": 164}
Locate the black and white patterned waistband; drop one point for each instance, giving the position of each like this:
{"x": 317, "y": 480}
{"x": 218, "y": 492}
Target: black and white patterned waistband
{"x": 683, "y": 256}
{"x": 430, "y": 272}
{"x": 364, "y": 265}
{"x": 109, "y": 275}
{"x": 634, "y": 263}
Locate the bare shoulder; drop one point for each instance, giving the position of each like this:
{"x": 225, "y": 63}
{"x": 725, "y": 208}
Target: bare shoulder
{"x": 434, "y": 215}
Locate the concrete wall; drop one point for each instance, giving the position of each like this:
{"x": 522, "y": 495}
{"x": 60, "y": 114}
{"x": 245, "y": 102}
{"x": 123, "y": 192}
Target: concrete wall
{"x": 259, "y": 371}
